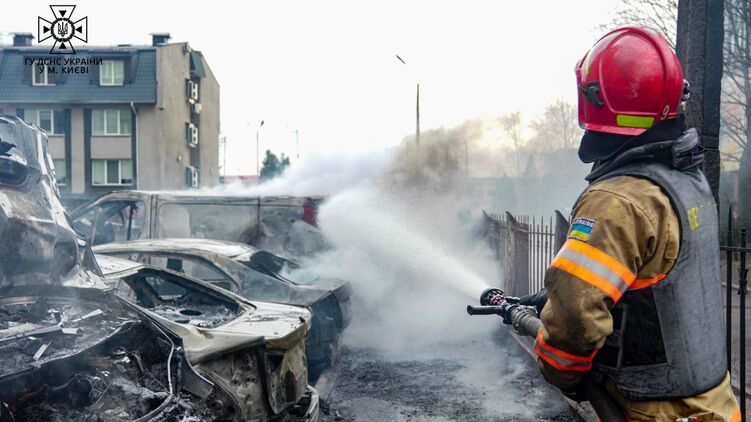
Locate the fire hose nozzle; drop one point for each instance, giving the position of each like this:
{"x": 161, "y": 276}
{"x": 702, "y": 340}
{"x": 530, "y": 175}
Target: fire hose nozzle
{"x": 492, "y": 296}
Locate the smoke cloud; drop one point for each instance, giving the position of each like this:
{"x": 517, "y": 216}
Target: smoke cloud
{"x": 405, "y": 227}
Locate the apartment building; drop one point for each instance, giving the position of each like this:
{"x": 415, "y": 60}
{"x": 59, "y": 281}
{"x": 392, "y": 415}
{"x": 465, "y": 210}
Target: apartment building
{"x": 118, "y": 117}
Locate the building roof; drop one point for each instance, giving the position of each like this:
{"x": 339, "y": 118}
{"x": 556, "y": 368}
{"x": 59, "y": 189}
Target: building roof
{"x": 83, "y": 88}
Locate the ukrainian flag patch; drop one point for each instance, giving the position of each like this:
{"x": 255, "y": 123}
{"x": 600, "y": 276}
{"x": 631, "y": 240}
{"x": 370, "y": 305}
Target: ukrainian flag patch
{"x": 581, "y": 228}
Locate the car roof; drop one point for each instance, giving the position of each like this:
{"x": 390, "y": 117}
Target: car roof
{"x": 113, "y": 265}
{"x": 179, "y": 245}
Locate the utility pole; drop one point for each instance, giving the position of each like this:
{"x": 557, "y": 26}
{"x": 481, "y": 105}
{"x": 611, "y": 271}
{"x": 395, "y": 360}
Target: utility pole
{"x": 699, "y": 46}
{"x": 297, "y": 143}
{"x": 258, "y": 150}
{"x": 417, "y": 120}
{"x": 417, "y": 109}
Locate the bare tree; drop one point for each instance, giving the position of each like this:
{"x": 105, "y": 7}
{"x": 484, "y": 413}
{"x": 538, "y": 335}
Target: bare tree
{"x": 512, "y": 125}
{"x": 737, "y": 59}
{"x": 736, "y": 93}
{"x": 557, "y": 128}
{"x": 661, "y": 15}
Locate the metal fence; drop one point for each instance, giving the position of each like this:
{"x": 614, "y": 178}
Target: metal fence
{"x": 524, "y": 246}
{"x": 736, "y": 255}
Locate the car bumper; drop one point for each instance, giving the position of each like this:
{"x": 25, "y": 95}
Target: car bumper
{"x": 313, "y": 413}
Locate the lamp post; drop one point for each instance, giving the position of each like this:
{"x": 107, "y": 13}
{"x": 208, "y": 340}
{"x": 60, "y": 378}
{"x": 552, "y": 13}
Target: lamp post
{"x": 258, "y": 150}
{"x": 297, "y": 143}
{"x": 417, "y": 108}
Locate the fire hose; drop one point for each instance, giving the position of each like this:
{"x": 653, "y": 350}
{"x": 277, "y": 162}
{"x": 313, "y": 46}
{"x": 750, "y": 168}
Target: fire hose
{"x": 525, "y": 322}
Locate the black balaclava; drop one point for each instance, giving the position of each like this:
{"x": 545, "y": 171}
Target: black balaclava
{"x": 601, "y": 146}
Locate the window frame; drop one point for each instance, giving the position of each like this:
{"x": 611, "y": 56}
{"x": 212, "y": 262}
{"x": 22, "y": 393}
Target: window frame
{"x": 65, "y": 170}
{"x": 111, "y": 74}
{"x": 119, "y": 171}
{"x": 38, "y": 121}
{"x": 105, "y": 112}
{"x": 46, "y": 74}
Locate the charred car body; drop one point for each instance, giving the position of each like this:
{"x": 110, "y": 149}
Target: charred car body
{"x": 282, "y": 224}
{"x": 70, "y": 349}
{"x": 256, "y": 275}
{"x": 253, "y": 351}
{"x": 82, "y": 354}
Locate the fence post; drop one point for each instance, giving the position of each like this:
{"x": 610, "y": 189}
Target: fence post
{"x": 561, "y": 230}
{"x": 518, "y": 254}
{"x": 742, "y": 291}
{"x": 729, "y": 290}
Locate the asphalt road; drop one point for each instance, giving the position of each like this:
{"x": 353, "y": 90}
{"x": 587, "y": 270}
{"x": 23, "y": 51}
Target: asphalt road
{"x": 481, "y": 380}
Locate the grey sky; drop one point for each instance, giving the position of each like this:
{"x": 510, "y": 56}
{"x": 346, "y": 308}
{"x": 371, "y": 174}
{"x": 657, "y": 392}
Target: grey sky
{"x": 328, "y": 68}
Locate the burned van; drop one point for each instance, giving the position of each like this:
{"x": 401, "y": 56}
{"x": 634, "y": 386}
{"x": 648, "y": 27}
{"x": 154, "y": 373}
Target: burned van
{"x": 281, "y": 224}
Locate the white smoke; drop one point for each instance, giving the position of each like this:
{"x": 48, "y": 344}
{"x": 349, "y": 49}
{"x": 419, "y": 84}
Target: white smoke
{"x": 407, "y": 239}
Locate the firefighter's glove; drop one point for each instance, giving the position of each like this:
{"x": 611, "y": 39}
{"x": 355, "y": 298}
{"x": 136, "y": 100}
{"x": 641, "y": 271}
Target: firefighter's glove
{"x": 537, "y": 300}
{"x": 576, "y": 393}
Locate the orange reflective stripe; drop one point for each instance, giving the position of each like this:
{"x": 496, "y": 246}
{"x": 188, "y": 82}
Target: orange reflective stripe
{"x": 641, "y": 283}
{"x": 602, "y": 258}
{"x": 594, "y": 267}
{"x": 736, "y": 416}
{"x": 561, "y": 360}
{"x": 588, "y": 276}
{"x": 576, "y": 358}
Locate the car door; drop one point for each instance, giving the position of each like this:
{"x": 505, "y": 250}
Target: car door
{"x": 113, "y": 221}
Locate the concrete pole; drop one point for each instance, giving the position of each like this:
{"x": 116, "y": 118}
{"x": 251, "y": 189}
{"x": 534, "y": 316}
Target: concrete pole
{"x": 258, "y": 150}
{"x": 417, "y": 120}
{"x": 699, "y": 46}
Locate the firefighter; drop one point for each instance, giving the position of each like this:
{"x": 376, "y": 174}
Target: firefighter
{"x": 633, "y": 296}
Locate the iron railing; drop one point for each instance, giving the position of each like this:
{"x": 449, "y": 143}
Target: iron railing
{"x": 736, "y": 253}
{"x": 524, "y": 246}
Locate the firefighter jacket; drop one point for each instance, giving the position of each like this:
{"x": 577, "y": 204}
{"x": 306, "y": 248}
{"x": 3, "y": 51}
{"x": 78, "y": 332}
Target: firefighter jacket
{"x": 634, "y": 294}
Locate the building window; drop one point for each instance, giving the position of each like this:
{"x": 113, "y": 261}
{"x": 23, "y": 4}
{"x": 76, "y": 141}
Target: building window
{"x": 42, "y": 76}
{"x": 110, "y": 122}
{"x": 112, "y": 73}
{"x": 61, "y": 172}
{"x": 51, "y": 121}
{"x": 111, "y": 172}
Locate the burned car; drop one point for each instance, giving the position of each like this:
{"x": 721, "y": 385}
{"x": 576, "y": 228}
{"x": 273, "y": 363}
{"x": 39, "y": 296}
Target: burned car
{"x": 256, "y": 275}
{"x": 39, "y": 245}
{"x": 83, "y": 354}
{"x": 283, "y": 224}
{"x": 71, "y": 349}
{"x": 252, "y": 351}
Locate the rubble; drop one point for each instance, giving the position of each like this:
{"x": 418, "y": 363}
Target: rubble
{"x": 115, "y": 365}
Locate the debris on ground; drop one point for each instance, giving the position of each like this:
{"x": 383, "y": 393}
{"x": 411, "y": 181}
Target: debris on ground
{"x": 451, "y": 382}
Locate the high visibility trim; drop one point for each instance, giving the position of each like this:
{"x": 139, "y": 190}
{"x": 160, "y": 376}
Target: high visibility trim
{"x": 736, "y": 416}
{"x": 588, "y": 276}
{"x": 561, "y": 360}
{"x": 641, "y": 122}
{"x": 641, "y": 283}
{"x": 594, "y": 267}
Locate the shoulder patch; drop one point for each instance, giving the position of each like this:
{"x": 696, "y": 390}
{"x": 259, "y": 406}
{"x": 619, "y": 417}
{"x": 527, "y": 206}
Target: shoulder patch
{"x": 581, "y": 228}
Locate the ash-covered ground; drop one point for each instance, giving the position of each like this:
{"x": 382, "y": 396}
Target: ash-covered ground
{"x": 480, "y": 380}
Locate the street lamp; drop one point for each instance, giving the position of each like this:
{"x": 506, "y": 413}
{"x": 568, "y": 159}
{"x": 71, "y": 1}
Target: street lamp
{"x": 417, "y": 108}
{"x": 258, "y": 151}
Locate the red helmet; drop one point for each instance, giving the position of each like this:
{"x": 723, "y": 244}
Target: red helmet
{"x": 628, "y": 81}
